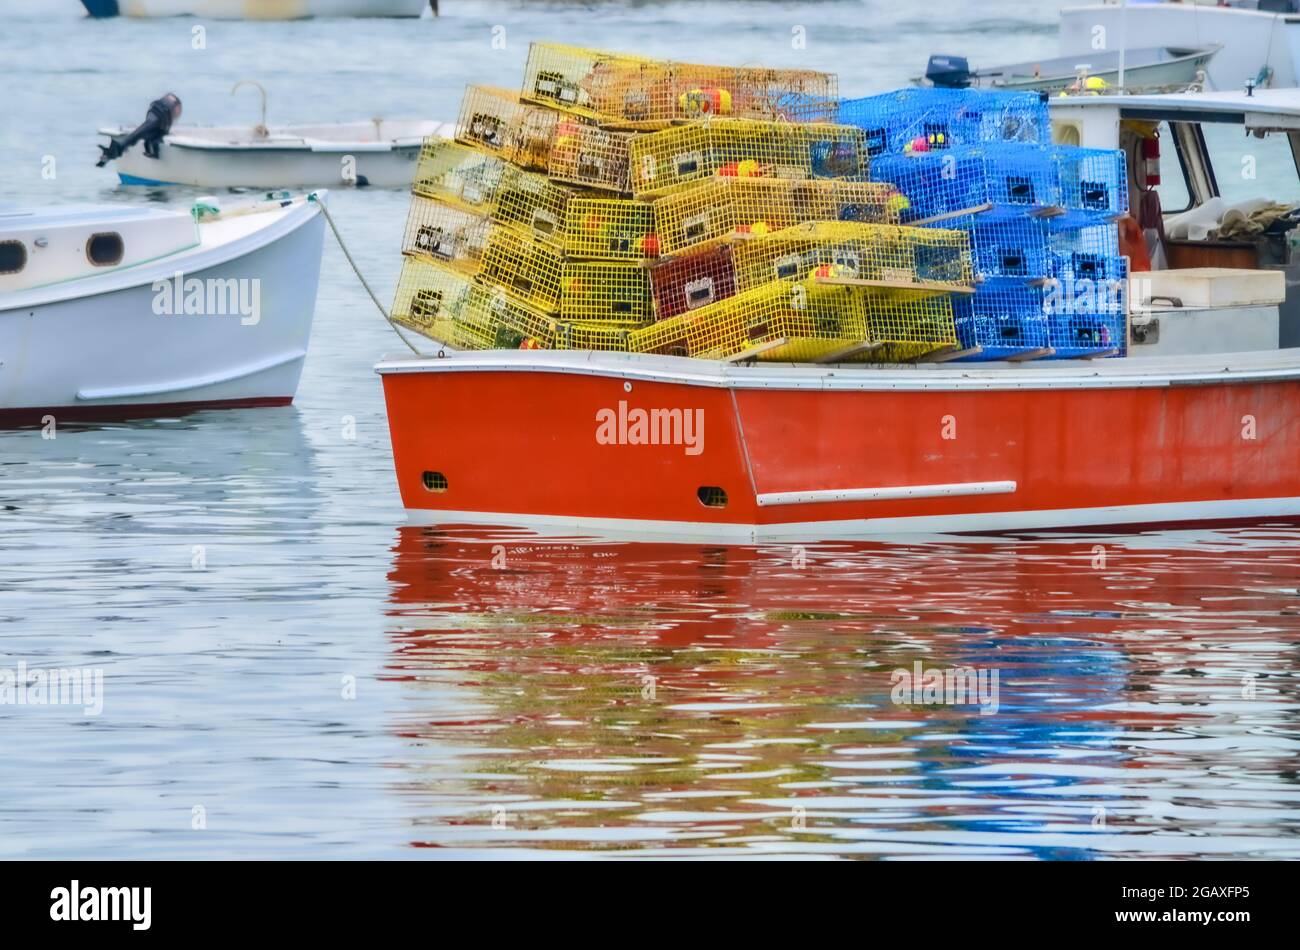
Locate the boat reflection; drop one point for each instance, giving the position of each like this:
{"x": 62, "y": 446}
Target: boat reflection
{"x": 576, "y": 693}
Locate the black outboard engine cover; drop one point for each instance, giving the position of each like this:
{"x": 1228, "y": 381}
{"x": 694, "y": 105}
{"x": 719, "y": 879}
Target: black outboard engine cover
{"x": 949, "y": 72}
{"x": 157, "y": 123}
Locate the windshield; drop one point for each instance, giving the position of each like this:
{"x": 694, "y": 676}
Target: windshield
{"x": 1247, "y": 167}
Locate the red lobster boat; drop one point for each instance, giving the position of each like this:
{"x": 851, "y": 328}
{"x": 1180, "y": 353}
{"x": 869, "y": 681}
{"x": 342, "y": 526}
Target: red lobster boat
{"x": 1180, "y": 429}
{"x": 783, "y": 451}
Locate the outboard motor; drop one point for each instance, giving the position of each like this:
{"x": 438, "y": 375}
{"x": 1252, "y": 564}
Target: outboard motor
{"x": 949, "y": 72}
{"x": 162, "y": 113}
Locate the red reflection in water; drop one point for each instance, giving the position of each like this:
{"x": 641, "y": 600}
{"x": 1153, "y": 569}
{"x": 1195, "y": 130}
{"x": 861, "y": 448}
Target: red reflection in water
{"x": 592, "y": 694}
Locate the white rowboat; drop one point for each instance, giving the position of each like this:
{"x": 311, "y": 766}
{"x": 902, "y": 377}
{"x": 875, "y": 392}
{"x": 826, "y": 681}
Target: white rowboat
{"x": 257, "y": 9}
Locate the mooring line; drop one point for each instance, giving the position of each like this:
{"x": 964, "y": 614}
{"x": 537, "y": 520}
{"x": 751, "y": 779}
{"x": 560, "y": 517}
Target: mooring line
{"x": 329, "y": 218}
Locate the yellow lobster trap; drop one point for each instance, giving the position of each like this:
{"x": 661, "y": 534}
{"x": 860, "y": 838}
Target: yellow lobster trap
{"x": 775, "y": 322}
{"x": 888, "y": 256}
{"x": 618, "y": 90}
{"x": 585, "y": 155}
{"x": 493, "y": 119}
{"x": 904, "y": 326}
{"x": 535, "y": 204}
{"x": 485, "y": 184}
{"x": 585, "y": 82}
{"x": 605, "y": 290}
{"x": 593, "y": 335}
{"x": 528, "y": 270}
{"x": 610, "y": 229}
{"x": 566, "y": 147}
{"x": 459, "y": 175}
{"x": 805, "y": 322}
{"x": 537, "y": 276}
{"x": 676, "y": 158}
{"x": 723, "y": 208}
{"x": 446, "y": 233}
{"x": 447, "y": 306}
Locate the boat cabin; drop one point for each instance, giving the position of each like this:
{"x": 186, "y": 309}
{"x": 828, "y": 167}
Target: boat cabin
{"x": 51, "y": 245}
{"x": 1214, "y": 230}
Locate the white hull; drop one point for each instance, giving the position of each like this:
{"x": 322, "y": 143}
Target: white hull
{"x": 1250, "y": 39}
{"x": 99, "y": 343}
{"x": 292, "y": 157}
{"x": 271, "y": 9}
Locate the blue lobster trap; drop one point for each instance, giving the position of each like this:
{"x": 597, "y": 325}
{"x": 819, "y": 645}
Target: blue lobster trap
{"x": 1075, "y": 333}
{"x": 933, "y": 119}
{"x": 1093, "y": 184}
{"x": 1006, "y": 247}
{"x": 1003, "y": 318}
{"x": 1004, "y": 180}
{"x": 1088, "y": 253}
{"x": 1087, "y": 314}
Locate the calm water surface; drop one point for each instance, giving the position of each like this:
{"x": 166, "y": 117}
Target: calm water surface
{"x": 291, "y": 665}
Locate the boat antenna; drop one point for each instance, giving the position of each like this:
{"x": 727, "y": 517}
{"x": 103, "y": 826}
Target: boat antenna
{"x": 1123, "y": 39}
{"x": 261, "y": 128}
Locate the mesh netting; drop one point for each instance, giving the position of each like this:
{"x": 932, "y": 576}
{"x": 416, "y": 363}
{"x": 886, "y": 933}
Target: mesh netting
{"x": 610, "y": 229}
{"x": 605, "y": 290}
{"x": 494, "y": 120}
{"x": 723, "y": 208}
{"x": 930, "y": 119}
{"x": 754, "y": 231}
{"x": 886, "y": 254}
{"x": 678, "y": 157}
{"x": 802, "y": 321}
{"x": 617, "y": 90}
{"x": 446, "y": 233}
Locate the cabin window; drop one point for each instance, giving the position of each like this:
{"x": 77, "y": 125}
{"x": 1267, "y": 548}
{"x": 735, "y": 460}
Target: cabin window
{"x": 1246, "y": 167}
{"x": 105, "y": 249}
{"x": 434, "y": 481}
{"x": 1175, "y": 194}
{"x": 13, "y": 256}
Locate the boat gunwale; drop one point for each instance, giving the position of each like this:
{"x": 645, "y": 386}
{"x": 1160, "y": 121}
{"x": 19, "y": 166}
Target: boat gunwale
{"x": 1263, "y": 366}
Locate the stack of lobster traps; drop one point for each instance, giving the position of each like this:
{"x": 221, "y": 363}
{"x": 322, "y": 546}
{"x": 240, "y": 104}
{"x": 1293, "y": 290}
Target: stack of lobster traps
{"x": 1040, "y": 217}
{"x": 622, "y": 203}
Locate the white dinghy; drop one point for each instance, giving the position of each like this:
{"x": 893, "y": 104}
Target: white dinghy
{"x": 266, "y": 10}
{"x": 1258, "y": 37}
{"x": 378, "y": 152}
{"x": 113, "y": 311}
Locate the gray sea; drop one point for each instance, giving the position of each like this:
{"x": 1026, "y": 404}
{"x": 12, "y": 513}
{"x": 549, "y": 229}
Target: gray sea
{"x": 289, "y": 670}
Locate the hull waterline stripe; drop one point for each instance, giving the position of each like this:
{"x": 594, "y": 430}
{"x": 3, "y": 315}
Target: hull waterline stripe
{"x": 1184, "y": 512}
{"x": 892, "y": 493}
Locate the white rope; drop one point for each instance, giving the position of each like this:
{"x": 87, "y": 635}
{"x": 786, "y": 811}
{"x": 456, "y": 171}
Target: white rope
{"x": 356, "y": 270}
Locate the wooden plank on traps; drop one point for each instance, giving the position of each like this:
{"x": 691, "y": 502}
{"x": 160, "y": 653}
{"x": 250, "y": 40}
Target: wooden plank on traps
{"x": 755, "y": 351}
{"x": 915, "y": 286}
{"x": 951, "y": 353}
{"x": 1030, "y": 355}
{"x": 844, "y": 353}
{"x": 1051, "y": 211}
{"x": 1099, "y": 355}
{"x": 949, "y": 215}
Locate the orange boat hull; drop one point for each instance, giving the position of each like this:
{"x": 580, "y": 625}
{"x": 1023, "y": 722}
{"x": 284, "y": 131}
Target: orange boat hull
{"x": 810, "y": 451}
